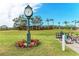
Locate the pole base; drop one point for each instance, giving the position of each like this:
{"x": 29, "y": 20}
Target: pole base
{"x": 28, "y": 39}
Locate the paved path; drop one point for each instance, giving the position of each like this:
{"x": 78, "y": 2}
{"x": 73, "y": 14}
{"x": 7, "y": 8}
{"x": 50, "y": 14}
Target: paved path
{"x": 74, "y": 47}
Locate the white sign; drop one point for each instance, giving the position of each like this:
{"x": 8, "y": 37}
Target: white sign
{"x": 63, "y": 42}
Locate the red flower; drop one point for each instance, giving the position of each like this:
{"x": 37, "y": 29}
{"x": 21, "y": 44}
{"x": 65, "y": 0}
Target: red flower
{"x": 23, "y": 44}
{"x": 20, "y": 43}
{"x": 23, "y": 40}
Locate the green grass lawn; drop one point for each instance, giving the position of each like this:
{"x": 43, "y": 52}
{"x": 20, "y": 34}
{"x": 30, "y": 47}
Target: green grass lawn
{"x": 49, "y": 45}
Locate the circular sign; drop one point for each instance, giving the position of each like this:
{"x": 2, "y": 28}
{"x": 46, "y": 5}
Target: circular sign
{"x": 28, "y": 11}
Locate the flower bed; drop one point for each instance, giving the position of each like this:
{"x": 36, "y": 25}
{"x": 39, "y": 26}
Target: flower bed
{"x": 23, "y": 43}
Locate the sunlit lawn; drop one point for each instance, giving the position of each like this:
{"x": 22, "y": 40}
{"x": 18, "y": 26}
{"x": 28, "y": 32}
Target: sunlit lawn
{"x": 49, "y": 45}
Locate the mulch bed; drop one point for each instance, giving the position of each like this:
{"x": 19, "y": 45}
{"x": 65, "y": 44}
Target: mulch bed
{"x": 23, "y": 43}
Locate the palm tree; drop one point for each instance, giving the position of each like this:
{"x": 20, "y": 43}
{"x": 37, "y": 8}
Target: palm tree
{"x": 78, "y": 22}
{"x": 59, "y": 25}
{"x": 66, "y": 23}
{"x": 52, "y": 22}
{"x": 47, "y": 20}
{"x": 75, "y": 22}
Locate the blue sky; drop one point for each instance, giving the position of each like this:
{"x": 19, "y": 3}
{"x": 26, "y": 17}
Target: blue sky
{"x": 59, "y": 12}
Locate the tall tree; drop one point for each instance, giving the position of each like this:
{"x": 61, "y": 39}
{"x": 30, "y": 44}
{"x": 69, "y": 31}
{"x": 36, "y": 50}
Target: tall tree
{"x": 66, "y": 24}
{"x": 75, "y": 22}
{"x": 20, "y": 22}
{"x": 78, "y": 22}
{"x": 37, "y": 21}
{"x": 4, "y": 27}
{"x": 59, "y": 25}
{"x": 47, "y": 20}
{"x": 52, "y": 22}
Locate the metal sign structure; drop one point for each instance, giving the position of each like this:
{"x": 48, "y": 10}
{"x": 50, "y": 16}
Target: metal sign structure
{"x": 63, "y": 42}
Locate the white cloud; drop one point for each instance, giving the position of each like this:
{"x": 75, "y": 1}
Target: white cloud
{"x": 10, "y": 9}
